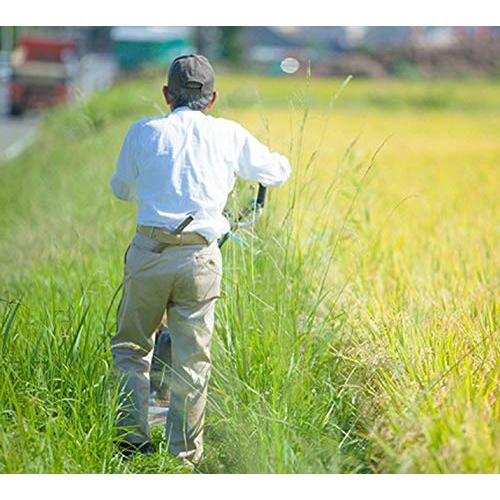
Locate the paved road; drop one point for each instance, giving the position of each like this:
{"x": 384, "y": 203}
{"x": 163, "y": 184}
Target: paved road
{"x": 16, "y": 133}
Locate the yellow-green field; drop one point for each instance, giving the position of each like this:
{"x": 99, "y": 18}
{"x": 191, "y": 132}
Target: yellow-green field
{"x": 420, "y": 266}
{"x": 358, "y": 330}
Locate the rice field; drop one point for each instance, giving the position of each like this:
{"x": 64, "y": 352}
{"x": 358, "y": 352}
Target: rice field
{"x": 358, "y": 325}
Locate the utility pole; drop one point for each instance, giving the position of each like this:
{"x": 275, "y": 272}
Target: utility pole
{"x": 200, "y": 40}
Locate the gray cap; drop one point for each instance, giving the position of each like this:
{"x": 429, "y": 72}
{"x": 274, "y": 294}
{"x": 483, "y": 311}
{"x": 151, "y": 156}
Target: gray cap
{"x": 191, "y": 74}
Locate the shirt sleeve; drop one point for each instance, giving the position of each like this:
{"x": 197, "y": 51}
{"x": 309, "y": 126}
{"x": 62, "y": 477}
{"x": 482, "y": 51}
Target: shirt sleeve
{"x": 123, "y": 181}
{"x": 257, "y": 163}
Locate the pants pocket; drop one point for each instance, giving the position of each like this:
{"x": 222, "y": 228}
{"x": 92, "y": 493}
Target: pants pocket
{"x": 207, "y": 274}
{"x": 143, "y": 252}
{"x": 144, "y": 243}
{"x": 200, "y": 278}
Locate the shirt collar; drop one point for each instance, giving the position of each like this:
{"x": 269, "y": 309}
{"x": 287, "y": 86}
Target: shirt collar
{"x": 182, "y": 109}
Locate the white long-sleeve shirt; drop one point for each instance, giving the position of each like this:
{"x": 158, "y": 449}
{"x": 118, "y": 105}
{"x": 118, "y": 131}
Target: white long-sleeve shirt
{"x": 186, "y": 163}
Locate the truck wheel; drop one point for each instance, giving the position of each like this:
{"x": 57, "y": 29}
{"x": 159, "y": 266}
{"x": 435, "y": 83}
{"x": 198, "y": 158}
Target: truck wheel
{"x": 15, "y": 110}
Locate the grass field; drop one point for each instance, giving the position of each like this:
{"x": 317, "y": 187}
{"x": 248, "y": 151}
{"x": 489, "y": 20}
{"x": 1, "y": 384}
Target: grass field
{"x": 358, "y": 326}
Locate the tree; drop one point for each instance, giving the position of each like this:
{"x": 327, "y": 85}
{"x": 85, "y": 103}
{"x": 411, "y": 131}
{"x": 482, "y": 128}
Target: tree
{"x": 233, "y": 44}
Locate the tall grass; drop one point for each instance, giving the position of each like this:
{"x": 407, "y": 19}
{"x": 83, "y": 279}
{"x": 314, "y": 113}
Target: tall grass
{"x": 281, "y": 402}
{"x": 356, "y": 331}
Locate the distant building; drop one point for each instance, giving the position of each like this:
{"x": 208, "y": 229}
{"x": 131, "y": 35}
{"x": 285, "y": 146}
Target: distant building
{"x": 434, "y": 36}
{"x": 268, "y": 44}
{"x": 135, "y": 46}
{"x": 271, "y": 44}
{"x": 381, "y": 37}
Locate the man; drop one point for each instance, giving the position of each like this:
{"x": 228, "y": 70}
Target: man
{"x": 178, "y": 166}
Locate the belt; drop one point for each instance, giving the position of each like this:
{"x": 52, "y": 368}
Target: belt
{"x": 164, "y": 236}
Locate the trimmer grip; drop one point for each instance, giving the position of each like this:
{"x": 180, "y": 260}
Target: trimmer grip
{"x": 261, "y": 196}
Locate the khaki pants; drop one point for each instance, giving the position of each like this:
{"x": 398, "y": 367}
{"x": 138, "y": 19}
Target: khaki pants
{"x": 184, "y": 280}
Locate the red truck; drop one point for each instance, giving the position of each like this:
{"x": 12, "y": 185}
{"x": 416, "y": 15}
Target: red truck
{"x": 43, "y": 69}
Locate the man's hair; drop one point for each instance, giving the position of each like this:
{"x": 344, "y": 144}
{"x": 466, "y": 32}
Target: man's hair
{"x": 194, "y": 102}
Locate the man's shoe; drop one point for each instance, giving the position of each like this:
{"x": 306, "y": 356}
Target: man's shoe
{"x": 128, "y": 449}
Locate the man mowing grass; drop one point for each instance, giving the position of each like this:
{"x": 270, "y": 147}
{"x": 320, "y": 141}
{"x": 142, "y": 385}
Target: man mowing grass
{"x": 180, "y": 168}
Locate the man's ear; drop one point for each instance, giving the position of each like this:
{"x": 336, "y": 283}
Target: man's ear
{"x": 212, "y": 101}
{"x": 166, "y": 95}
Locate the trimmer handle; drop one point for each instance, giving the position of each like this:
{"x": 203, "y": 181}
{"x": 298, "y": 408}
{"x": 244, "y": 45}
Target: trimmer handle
{"x": 261, "y": 196}
{"x": 255, "y": 207}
